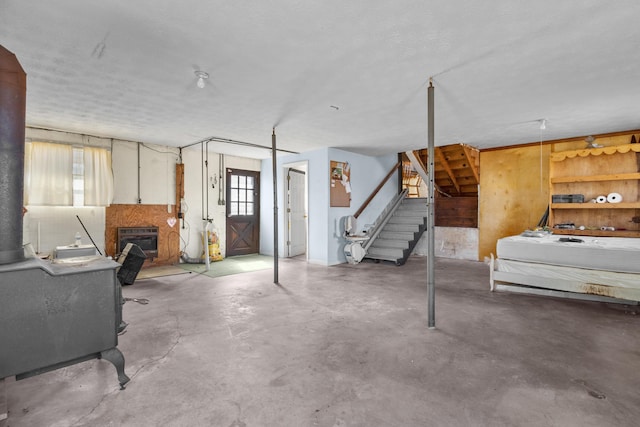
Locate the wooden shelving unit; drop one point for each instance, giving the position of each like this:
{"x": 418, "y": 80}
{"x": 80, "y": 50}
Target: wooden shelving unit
{"x": 597, "y": 172}
{"x": 622, "y": 205}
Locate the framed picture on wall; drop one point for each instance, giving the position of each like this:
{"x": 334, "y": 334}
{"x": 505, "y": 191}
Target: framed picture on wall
{"x": 340, "y": 184}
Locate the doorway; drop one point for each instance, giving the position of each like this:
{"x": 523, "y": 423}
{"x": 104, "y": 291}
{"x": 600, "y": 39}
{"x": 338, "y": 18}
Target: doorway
{"x": 296, "y": 213}
{"x": 243, "y": 212}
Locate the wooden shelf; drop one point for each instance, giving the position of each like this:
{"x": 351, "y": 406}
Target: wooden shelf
{"x": 622, "y": 149}
{"x": 598, "y": 233}
{"x": 623, "y": 205}
{"x": 592, "y": 172}
{"x": 596, "y": 178}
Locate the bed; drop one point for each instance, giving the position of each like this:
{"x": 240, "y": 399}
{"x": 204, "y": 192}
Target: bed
{"x": 595, "y": 268}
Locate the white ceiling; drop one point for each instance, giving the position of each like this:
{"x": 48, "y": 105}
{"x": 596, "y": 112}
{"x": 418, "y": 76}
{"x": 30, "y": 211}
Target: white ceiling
{"x": 125, "y": 69}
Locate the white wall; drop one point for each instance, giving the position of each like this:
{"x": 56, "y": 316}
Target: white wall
{"x": 157, "y": 173}
{"x": 366, "y": 174}
{"x": 318, "y": 205}
{"x": 58, "y": 226}
{"x": 325, "y": 241}
{"x": 194, "y": 205}
{"x": 156, "y": 165}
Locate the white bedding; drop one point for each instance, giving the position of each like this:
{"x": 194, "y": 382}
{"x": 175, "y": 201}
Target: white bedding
{"x": 611, "y": 254}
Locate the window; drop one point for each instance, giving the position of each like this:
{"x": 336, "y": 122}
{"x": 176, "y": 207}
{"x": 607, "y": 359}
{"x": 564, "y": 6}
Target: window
{"x": 78, "y": 176}
{"x": 62, "y": 175}
{"x": 242, "y": 190}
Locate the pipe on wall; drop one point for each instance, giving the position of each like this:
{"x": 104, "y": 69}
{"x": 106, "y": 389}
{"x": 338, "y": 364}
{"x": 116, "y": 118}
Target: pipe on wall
{"x": 13, "y": 91}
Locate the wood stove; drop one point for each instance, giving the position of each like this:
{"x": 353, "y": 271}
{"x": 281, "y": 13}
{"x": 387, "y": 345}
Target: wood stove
{"x": 55, "y": 315}
{"x": 51, "y": 314}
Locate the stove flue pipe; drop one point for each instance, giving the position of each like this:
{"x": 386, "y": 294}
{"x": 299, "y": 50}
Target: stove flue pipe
{"x": 13, "y": 90}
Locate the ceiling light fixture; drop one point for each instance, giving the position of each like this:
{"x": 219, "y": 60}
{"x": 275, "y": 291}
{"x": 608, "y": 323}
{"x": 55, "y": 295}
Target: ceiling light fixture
{"x": 590, "y": 140}
{"x": 543, "y": 124}
{"x": 202, "y": 76}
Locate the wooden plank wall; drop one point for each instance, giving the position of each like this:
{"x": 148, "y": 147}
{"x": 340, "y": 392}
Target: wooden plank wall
{"x": 514, "y": 193}
{"x": 145, "y": 216}
{"x": 456, "y": 212}
{"x": 511, "y": 197}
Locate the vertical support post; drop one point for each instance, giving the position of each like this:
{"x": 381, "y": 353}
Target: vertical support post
{"x": 400, "y": 172}
{"x": 275, "y": 206}
{"x": 139, "y": 167}
{"x": 3, "y": 400}
{"x": 207, "y": 260}
{"x": 13, "y": 94}
{"x": 431, "y": 291}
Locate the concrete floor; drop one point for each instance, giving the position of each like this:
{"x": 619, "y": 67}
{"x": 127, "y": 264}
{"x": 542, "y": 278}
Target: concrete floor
{"x": 348, "y": 346}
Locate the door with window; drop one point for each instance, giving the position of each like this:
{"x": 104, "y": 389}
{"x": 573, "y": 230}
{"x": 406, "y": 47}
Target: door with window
{"x": 243, "y": 212}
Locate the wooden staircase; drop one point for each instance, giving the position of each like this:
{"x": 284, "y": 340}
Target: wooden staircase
{"x": 401, "y": 233}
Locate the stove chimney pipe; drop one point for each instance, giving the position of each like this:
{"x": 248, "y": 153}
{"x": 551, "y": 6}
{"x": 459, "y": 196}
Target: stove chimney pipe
{"x": 13, "y": 90}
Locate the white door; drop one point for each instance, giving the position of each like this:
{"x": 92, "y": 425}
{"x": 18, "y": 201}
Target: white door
{"x": 296, "y": 213}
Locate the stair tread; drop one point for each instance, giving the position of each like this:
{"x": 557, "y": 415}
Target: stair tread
{"x": 407, "y": 228}
{"x": 406, "y": 220}
{"x": 416, "y": 213}
{"x": 399, "y": 235}
{"x": 391, "y": 243}
{"x": 383, "y": 258}
{"x": 395, "y": 252}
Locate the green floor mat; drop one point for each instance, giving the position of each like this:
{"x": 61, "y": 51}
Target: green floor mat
{"x": 232, "y": 265}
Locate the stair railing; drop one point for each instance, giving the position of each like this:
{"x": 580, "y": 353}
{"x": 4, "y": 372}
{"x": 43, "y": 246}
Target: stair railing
{"x": 376, "y": 190}
{"x": 384, "y": 217}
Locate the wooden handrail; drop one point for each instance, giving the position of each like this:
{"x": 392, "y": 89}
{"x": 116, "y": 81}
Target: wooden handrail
{"x": 373, "y": 194}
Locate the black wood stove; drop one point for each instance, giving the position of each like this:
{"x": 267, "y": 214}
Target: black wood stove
{"x": 51, "y": 315}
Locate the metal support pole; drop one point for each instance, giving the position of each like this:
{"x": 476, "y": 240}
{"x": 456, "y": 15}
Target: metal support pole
{"x": 13, "y": 95}
{"x": 431, "y": 291}
{"x": 207, "y": 260}
{"x": 275, "y": 207}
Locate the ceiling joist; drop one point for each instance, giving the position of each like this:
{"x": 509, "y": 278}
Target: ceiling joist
{"x": 472, "y": 159}
{"x": 445, "y": 165}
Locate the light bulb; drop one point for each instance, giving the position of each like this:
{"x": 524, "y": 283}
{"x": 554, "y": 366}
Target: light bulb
{"x": 543, "y": 124}
{"x": 201, "y": 75}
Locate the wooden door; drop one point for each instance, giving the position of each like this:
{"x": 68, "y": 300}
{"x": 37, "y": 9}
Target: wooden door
{"x": 243, "y": 212}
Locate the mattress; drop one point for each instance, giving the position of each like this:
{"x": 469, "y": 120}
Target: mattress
{"x": 616, "y": 254}
{"x": 553, "y": 273}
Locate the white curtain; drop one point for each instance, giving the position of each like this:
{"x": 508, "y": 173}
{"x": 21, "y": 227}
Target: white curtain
{"x": 98, "y": 177}
{"x": 48, "y": 172}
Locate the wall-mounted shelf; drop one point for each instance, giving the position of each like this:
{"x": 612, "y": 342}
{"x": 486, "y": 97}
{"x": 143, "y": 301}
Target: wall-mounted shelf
{"x": 588, "y": 152}
{"x": 622, "y": 205}
{"x": 597, "y": 178}
{"x": 597, "y": 172}
{"x": 599, "y": 233}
